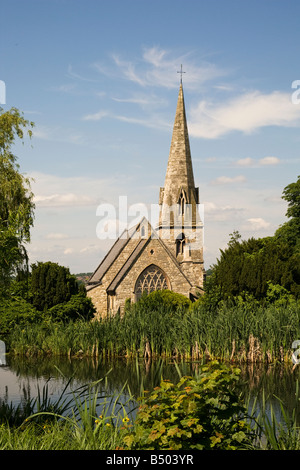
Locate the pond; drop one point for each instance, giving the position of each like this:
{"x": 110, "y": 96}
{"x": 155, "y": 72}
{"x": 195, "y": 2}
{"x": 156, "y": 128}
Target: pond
{"x": 22, "y": 378}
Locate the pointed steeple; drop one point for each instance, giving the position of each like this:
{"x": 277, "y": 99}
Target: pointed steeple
{"x": 179, "y": 176}
{"x": 180, "y": 225}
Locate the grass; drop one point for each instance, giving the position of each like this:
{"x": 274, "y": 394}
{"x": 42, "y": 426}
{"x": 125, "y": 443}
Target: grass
{"x": 89, "y": 418}
{"x": 246, "y": 333}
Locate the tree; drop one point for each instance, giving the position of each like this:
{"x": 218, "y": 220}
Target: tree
{"x": 51, "y": 284}
{"x": 291, "y": 194}
{"x": 290, "y": 230}
{"x": 249, "y": 267}
{"x": 16, "y": 198}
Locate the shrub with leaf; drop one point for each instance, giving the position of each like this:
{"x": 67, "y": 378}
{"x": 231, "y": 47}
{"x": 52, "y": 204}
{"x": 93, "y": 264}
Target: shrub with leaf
{"x": 79, "y": 306}
{"x": 169, "y": 300}
{"x": 15, "y": 312}
{"x": 196, "y": 413}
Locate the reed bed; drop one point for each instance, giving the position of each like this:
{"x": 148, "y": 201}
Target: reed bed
{"x": 238, "y": 333}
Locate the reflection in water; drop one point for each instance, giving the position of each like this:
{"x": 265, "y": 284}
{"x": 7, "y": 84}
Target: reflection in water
{"x": 21, "y": 378}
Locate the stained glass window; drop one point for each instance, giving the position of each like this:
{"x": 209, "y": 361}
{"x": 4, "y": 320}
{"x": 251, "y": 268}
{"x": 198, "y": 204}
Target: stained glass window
{"x": 151, "y": 279}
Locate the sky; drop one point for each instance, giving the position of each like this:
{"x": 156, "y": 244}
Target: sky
{"x": 100, "y": 80}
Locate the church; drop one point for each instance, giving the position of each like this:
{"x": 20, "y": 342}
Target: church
{"x": 169, "y": 256}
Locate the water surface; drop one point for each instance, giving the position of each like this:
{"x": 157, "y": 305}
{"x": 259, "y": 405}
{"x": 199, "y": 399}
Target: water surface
{"x": 21, "y": 378}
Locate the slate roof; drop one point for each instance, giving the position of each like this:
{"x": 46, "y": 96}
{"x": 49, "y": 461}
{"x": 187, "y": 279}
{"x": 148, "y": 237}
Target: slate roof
{"x": 116, "y": 249}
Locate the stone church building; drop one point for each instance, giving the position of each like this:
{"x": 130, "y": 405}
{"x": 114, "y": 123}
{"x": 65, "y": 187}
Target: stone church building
{"x": 169, "y": 256}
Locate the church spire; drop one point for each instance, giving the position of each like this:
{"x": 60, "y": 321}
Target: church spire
{"x": 179, "y": 175}
{"x": 179, "y": 224}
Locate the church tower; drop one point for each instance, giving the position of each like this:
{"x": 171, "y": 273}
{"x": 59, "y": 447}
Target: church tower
{"x": 143, "y": 260}
{"x": 179, "y": 224}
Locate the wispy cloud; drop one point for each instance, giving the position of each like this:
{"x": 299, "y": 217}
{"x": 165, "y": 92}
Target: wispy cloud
{"x": 152, "y": 121}
{"x": 245, "y": 113}
{"x": 158, "y": 67}
{"x": 76, "y": 76}
{"x": 58, "y": 134}
{"x": 96, "y": 116}
{"x": 145, "y": 101}
{"x": 64, "y": 199}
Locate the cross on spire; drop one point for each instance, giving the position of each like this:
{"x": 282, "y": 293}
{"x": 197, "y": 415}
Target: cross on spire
{"x": 181, "y": 72}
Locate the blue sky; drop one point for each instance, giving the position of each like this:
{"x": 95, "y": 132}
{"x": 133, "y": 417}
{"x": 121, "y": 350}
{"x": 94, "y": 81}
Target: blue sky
{"x": 99, "y": 79}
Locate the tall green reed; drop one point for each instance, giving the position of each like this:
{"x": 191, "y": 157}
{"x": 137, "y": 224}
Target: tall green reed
{"x": 238, "y": 332}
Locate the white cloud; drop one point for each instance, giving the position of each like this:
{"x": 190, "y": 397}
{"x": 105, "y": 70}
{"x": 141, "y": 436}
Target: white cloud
{"x": 218, "y": 212}
{"x": 245, "y": 162}
{"x": 256, "y": 223}
{"x": 245, "y": 113}
{"x": 56, "y": 236}
{"x": 91, "y": 249}
{"x": 59, "y": 191}
{"x": 64, "y": 199}
{"x": 269, "y": 161}
{"x": 248, "y": 162}
{"x": 229, "y": 180}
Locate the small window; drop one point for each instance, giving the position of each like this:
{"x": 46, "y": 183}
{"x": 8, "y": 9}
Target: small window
{"x": 181, "y": 203}
{"x": 180, "y": 244}
{"x": 142, "y": 231}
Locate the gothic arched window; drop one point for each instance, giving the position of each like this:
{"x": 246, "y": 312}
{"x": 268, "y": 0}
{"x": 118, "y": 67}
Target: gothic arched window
{"x": 180, "y": 243}
{"x": 151, "y": 279}
{"x": 181, "y": 203}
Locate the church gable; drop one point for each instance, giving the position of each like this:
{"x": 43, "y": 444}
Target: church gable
{"x": 155, "y": 255}
{"x": 119, "y": 253}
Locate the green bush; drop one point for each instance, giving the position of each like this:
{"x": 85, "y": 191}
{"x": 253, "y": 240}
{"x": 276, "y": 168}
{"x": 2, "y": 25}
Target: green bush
{"x": 196, "y": 413}
{"x": 51, "y": 284}
{"x": 16, "y": 312}
{"x": 79, "y": 306}
{"x": 170, "y": 300}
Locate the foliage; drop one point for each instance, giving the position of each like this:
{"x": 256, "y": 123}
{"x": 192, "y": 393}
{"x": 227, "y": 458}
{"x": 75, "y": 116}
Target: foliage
{"x": 79, "y": 306}
{"x": 88, "y": 420}
{"x": 16, "y": 199}
{"x": 71, "y": 422}
{"x": 51, "y": 284}
{"x": 239, "y": 331}
{"x": 249, "y": 267}
{"x": 169, "y": 299}
{"x": 278, "y": 295}
{"x": 250, "y": 264}
{"x": 58, "y": 293}
{"x": 289, "y": 232}
{"x": 291, "y": 194}
{"x": 204, "y": 413}
{"x": 16, "y": 312}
